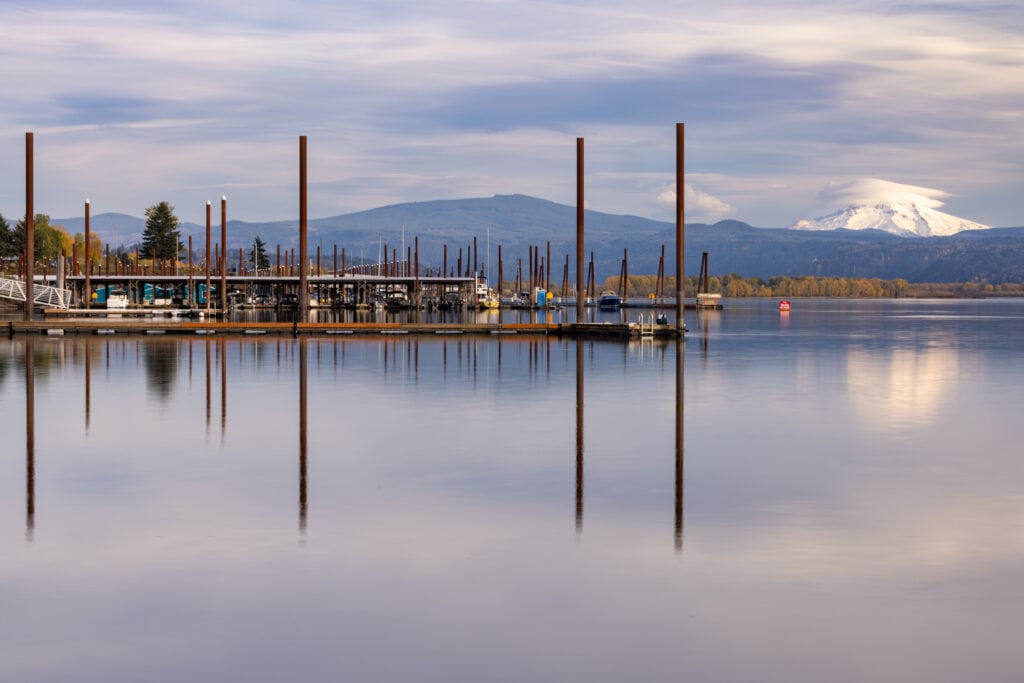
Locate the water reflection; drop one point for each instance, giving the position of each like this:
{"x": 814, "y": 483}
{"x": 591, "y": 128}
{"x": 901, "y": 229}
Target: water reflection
{"x": 161, "y": 363}
{"x": 303, "y": 414}
{"x": 30, "y": 440}
{"x": 209, "y": 409}
{"x": 679, "y": 423}
{"x": 448, "y": 504}
{"x": 88, "y": 382}
{"x": 222, "y": 348}
{"x": 902, "y": 386}
{"x": 579, "y": 435}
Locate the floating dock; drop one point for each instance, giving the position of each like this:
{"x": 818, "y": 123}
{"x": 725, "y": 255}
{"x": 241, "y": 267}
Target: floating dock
{"x": 172, "y": 326}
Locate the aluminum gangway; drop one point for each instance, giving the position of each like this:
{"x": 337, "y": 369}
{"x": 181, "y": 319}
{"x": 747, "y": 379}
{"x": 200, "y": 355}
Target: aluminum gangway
{"x": 43, "y": 295}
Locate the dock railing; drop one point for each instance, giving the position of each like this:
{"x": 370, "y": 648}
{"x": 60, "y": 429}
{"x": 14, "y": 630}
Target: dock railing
{"x": 43, "y": 295}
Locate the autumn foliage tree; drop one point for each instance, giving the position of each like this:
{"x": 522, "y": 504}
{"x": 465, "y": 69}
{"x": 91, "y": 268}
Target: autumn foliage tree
{"x": 49, "y": 241}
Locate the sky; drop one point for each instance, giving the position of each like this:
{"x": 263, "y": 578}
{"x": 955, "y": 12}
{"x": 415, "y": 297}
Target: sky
{"x": 791, "y": 108}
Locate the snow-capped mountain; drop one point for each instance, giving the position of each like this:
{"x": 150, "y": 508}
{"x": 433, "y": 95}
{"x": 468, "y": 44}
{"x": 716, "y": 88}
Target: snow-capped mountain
{"x": 875, "y": 204}
{"x": 907, "y": 220}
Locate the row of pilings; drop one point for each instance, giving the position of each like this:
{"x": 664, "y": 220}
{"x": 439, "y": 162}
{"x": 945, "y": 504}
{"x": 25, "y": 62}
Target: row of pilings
{"x": 538, "y": 273}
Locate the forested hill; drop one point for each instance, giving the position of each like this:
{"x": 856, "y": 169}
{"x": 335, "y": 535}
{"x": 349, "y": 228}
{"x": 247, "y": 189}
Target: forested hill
{"x": 995, "y": 255}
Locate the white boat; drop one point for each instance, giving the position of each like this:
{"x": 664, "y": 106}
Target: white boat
{"x": 117, "y": 299}
{"x": 486, "y": 298}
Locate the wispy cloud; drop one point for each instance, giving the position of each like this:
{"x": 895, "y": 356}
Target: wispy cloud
{"x": 491, "y": 95}
{"x": 698, "y": 205}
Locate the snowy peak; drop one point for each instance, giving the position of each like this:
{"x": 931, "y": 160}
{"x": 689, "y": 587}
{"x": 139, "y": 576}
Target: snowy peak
{"x": 906, "y": 220}
{"x": 877, "y": 204}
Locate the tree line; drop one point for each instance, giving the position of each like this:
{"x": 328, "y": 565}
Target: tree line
{"x": 737, "y": 286}
{"x": 160, "y": 239}
{"x": 49, "y": 241}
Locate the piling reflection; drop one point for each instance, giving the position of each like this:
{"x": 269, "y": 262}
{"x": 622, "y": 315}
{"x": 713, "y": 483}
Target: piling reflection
{"x": 302, "y": 433}
{"x": 222, "y": 347}
{"x": 477, "y": 360}
{"x": 680, "y": 395}
{"x": 208, "y": 378}
{"x": 88, "y": 382}
{"x": 579, "y": 435}
{"x": 30, "y": 440}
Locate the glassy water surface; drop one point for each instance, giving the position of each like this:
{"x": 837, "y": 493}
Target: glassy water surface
{"x": 833, "y": 494}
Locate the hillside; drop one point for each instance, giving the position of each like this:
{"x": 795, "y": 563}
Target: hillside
{"x": 517, "y": 221}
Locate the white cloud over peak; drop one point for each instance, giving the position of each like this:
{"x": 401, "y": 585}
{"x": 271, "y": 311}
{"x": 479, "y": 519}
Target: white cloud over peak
{"x": 869, "y": 191}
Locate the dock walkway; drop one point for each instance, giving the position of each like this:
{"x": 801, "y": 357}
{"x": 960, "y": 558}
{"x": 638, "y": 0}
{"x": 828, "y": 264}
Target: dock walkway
{"x": 165, "y": 326}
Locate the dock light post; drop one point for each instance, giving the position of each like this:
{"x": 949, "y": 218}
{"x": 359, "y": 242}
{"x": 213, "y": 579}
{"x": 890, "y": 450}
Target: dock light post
{"x": 88, "y": 290}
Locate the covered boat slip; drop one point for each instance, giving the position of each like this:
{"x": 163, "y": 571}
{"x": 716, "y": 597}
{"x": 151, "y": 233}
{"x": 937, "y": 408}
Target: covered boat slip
{"x": 347, "y": 288}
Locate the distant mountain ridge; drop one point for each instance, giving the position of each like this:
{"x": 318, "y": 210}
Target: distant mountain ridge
{"x": 518, "y": 221}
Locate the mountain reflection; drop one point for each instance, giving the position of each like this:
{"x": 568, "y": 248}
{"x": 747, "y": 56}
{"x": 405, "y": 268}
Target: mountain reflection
{"x": 904, "y": 387}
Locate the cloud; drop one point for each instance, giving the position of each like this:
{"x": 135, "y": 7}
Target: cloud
{"x": 869, "y": 191}
{"x": 789, "y": 94}
{"x": 698, "y": 204}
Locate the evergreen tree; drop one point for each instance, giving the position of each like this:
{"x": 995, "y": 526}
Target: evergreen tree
{"x": 161, "y": 234}
{"x": 258, "y": 255}
{"x": 8, "y": 239}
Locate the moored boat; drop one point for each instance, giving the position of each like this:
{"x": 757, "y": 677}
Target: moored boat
{"x": 486, "y": 298}
{"x": 117, "y": 299}
{"x": 609, "y": 300}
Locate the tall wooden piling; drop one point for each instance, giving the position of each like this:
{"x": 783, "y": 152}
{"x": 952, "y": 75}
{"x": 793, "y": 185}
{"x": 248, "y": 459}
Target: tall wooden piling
{"x": 88, "y": 288}
{"x": 680, "y": 223}
{"x": 547, "y": 269}
{"x": 30, "y": 235}
{"x": 206, "y": 256}
{"x": 579, "y": 230}
{"x": 303, "y": 256}
{"x": 223, "y": 255}
{"x": 190, "y": 297}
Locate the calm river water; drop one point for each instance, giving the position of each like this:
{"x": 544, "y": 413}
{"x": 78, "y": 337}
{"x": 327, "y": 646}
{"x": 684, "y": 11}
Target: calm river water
{"x": 834, "y": 494}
